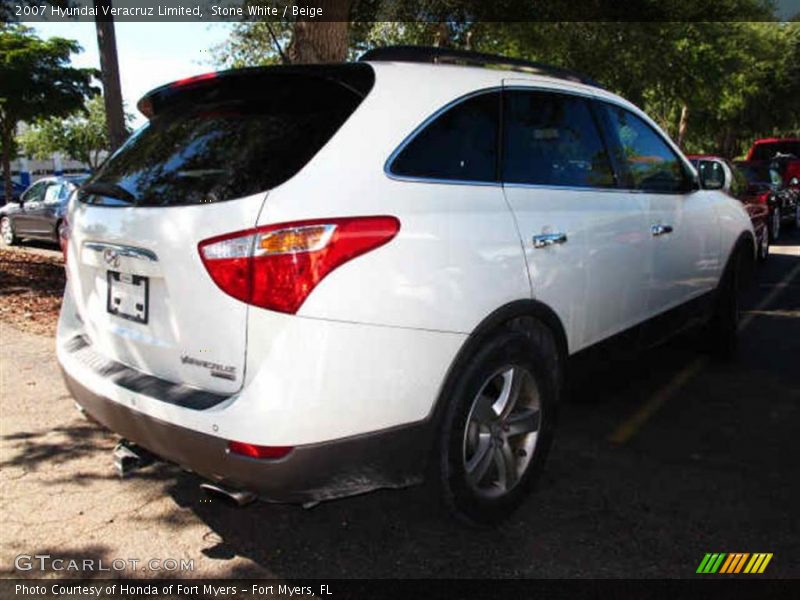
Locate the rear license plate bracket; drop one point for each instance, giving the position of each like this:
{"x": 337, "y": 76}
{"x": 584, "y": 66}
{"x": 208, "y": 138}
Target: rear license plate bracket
{"x": 128, "y": 296}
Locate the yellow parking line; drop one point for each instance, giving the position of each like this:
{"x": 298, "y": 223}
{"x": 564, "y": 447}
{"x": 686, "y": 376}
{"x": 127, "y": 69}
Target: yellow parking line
{"x": 767, "y": 300}
{"x": 635, "y": 422}
{"x": 630, "y": 426}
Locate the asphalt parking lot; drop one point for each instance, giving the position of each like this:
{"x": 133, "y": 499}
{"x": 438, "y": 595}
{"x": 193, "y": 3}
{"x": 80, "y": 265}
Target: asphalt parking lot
{"x": 659, "y": 459}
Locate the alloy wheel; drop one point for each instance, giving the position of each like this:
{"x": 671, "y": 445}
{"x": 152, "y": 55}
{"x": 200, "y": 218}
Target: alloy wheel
{"x": 501, "y": 432}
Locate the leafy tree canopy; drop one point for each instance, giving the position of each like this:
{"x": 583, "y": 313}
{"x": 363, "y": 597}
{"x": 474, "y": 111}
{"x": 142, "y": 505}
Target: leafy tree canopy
{"x": 715, "y": 75}
{"x": 37, "y": 81}
{"x": 82, "y": 136}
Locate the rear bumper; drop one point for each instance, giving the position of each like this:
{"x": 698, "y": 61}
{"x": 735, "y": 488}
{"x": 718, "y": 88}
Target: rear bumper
{"x": 390, "y": 458}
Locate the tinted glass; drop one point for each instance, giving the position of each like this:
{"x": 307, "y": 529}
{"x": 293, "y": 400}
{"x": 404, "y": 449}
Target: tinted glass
{"x": 760, "y": 172}
{"x": 552, "y": 139}
{"x": 223, "y": 145}
{"x": 461, "y": 144}
{"x": 772, "y": 150}
{"x": 739, "y": 184}
{"x": 651, "y": 163}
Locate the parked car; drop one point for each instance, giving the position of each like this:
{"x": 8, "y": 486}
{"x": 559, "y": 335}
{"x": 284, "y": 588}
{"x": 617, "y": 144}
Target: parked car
{"x": 262, "y": 293}
{"x": 16, "y": 192}
{"x": 716, "y": 170}
{"x": 765, "y": 185}
{"x": 39, "y": 212}
{"x": 784, "y": 153}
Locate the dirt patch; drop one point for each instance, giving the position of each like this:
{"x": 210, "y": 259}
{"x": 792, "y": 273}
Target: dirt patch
{"x": 31, "y": 287}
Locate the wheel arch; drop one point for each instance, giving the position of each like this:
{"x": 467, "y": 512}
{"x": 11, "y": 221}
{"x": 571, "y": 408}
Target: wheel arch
{"x": 508, "y": 316}
{"x": 747, "y": 245}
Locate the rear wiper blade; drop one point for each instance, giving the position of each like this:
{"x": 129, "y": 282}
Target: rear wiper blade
{"x": 109, "y": 189}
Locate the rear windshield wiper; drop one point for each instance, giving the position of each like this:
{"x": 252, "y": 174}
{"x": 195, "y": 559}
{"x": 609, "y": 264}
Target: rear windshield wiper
{"x": 109, "y": 189}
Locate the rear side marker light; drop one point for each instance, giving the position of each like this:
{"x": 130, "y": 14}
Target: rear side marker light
{"x": 261, "y": 452}
{"x": 278, "y": 266}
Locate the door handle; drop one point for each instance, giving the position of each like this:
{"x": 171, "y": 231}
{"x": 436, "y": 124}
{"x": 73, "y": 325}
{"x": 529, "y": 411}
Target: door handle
{"x": 548, "y": 239}
{"x": 660, "y": 229}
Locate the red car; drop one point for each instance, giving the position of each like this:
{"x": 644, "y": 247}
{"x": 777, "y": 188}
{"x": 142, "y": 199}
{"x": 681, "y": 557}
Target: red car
{"x": 783, "y": 155}
{"x": 732, "y": 180}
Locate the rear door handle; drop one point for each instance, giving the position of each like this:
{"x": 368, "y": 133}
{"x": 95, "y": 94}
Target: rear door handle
{"x": 549, "y": 239}
{"x": 660, "y": 229}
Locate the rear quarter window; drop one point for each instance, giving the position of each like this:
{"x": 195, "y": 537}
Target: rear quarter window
{"x": 458, "y": 145}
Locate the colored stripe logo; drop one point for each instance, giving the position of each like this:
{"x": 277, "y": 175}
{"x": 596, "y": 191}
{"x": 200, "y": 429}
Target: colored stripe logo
{"x": 734, "y": 563}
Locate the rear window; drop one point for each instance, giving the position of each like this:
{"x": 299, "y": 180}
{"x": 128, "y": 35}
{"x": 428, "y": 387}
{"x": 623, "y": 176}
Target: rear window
{"x": 234, "y": 137}
{"x": 770, "y": 150}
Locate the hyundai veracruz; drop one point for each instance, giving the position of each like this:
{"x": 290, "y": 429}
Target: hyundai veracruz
{"x": 309, "y": 282}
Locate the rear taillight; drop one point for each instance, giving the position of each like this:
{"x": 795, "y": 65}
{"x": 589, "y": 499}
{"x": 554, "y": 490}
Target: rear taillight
{"x": 277, "y": 266}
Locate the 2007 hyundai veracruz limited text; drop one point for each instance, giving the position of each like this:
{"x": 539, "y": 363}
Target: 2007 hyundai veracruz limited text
{"x": 313, "y": 281}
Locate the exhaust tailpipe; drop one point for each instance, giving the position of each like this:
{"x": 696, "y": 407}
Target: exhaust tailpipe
{"x": 237, "y": 497}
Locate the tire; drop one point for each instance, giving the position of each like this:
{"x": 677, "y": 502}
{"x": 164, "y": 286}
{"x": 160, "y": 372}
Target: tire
{"x": 723, "y": 328}
{"x": 7, "y": 232}
{"x": 763, "y": 247}
{"x": 774, "y": 224}
{"x": 498, "y": 425}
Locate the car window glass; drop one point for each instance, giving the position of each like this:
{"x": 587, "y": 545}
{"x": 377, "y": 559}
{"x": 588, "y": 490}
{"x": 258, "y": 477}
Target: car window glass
{"x": 650, "y": 162}
{"x": 738, "y": 185}
{"x": 52, "y": 193}
{"x": 225, "y": 141}
{"x": 35, "y": 193}
{"x": 66, "y": 190}
{"x": 775, "y": 176}
{"x": 460, "y": 144}
{"x": 552, "y": 139}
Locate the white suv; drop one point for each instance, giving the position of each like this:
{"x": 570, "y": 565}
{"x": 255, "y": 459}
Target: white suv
{"x": 313, "y": 281}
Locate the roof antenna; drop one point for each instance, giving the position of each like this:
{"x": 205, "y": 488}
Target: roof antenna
{"x": 284, "y": 60}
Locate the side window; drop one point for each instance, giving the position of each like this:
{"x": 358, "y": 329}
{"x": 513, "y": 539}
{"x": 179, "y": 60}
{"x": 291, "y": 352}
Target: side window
{"x": 51, "y": 196}
{"x": 35, "y": 193}
{"x": 739, "y": 184}
{"x": 552, "y": 139}
{"x": 66, "y": 190}
{"x": 650, "y": 162}
{"x": 460, "y": 144}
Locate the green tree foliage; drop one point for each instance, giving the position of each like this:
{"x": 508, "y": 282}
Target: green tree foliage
{"x": 37, "y": 81}
{"x": 81, "y": 136}
{"x": 714, "y": 75}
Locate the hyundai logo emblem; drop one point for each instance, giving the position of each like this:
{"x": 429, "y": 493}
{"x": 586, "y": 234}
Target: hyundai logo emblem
{"x": 111, "y": 257}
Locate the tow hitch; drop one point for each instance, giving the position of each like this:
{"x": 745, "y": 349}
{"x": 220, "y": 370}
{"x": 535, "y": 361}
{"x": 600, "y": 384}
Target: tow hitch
{"x": 129, "y": 457}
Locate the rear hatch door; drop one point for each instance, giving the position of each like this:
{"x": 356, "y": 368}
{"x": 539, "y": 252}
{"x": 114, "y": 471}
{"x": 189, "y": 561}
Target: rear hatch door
{"x": 200, "y": 168}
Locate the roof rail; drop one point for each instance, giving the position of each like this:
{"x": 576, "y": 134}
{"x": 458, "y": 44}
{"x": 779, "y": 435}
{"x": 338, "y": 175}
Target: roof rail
{"x": 435, "y": 55}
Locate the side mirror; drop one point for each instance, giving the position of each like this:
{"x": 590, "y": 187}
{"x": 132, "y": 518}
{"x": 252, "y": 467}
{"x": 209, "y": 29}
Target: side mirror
{"x": 712, "y": 179}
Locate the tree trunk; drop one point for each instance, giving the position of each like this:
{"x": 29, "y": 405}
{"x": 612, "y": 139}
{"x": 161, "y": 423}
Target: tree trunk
{"x": 109, "y": 67}
{"x": 684, "y": 123}
{"x": 6, "y": 141}
{"x": 322, "y": 41}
